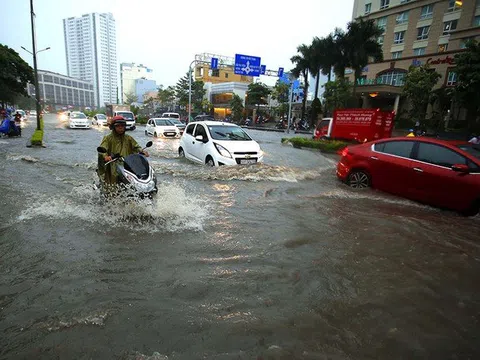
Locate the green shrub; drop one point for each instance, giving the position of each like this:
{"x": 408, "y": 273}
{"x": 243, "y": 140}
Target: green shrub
{"x": 141, "y": 119}
{"x": 330, "y": 146}
{"x": 37, "y": 137}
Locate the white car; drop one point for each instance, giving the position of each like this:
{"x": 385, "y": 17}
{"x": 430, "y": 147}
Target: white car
{"x": 161, "y": 127}
{"x": 215, "y": 143}
{"x": 100, "y": 120}
{"x": 32, "y": 113}
{"x": 171, "y": 115}
{"x": 78, "y": 120}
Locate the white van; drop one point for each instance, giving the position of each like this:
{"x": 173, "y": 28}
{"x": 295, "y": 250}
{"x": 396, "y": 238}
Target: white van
{"x": 171, "y": 115}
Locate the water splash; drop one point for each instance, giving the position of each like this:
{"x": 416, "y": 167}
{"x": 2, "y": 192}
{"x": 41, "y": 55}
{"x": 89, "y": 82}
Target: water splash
{"x": 169, "y": 211}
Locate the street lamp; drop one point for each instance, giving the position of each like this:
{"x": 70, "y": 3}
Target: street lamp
{"x": 34, "y": 54}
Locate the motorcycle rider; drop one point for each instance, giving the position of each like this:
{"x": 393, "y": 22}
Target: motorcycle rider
{"x": 117, "y": 142}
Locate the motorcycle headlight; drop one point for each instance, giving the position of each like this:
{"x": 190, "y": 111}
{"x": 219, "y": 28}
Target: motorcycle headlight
{"x": 224, "y": 152}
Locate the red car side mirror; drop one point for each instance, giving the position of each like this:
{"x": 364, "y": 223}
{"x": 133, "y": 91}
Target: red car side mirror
{"x": 462, "y": 168}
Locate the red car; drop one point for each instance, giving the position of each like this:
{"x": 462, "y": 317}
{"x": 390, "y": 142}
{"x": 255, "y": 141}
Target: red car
{"x": 436, "y": 172}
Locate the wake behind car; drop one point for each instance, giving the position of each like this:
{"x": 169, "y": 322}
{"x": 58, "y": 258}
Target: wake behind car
{"x": 159, "y": 127}
{"x": 215, "y": 143}
{"x": 78, "y": 120}
{"x": 435, "y": 172}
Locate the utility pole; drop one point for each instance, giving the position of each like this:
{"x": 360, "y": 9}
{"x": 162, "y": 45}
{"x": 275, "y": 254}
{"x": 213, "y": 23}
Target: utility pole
{"x": 34, "y": 47}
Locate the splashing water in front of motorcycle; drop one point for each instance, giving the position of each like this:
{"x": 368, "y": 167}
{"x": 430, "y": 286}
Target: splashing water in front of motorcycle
{"x": 169, "y": 211}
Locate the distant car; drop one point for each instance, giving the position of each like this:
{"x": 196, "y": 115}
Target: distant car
{"x": 159, "y": 127}
{"x": 171, "y": 115}
{"x": 100, "y": 120}
{"x": 180, "y": 125}
{"x": 204, "y": 118}
{"x": 214, "y": 143}
{"x": 32, "y": 113}
{"x": 78, "y": 120}
{"x": 436, "y": 172}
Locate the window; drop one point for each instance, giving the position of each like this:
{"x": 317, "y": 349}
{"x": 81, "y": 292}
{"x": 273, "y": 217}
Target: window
{"x": 399, "y": 37}
{"x": 382, "y": 23}
{"x": 384, "y": 4}
{"x": 380, "y": 39}
{"x": 200, "y": 130}
{"x": 442, "y": 48}
{"x": 427, "y": 12}
{"x": 439, "y": 155}
{"x": 397, "y": 148}
{"x": 452, "y": 6}
{"x": 451, "y": 78}
{"x": 476, "y": 21}
{"x": 402, "y": 18}
{"x": 394, "y": 78}
{"x": 404, "y": 1}
{"x": 419, "y": 51}
{"x": 422, "y": 33}
{"x": 189, "y": 129}
{"x": 463, "y": 42}
{"x": 368, "y": 8}
{"x": 396, "y": 55}
{"x": 449, "y": 26}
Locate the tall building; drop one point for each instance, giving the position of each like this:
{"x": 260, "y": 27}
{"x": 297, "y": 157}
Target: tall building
{"x": 129, "y": 73}
{"x": 415, "y": 32}
{"x": 91, "y": 49}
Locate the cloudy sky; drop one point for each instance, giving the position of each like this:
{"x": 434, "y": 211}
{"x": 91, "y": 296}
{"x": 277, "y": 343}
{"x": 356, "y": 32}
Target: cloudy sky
{"x": 166, "y": 35}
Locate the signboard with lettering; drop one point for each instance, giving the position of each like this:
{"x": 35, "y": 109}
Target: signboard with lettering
{"x": 446, "y": 60}
{"x": 247, "y": 65}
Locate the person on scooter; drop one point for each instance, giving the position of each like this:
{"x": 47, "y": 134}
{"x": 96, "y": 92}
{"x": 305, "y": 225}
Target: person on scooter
{"x": 117, "y": 142}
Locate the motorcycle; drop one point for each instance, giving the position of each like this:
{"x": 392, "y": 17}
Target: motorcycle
{"x": 9, "y": 128}
{"x": 134, "y": 173}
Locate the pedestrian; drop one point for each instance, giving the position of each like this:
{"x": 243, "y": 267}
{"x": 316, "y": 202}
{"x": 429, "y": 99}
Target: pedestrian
{"x": 117, "y": 142}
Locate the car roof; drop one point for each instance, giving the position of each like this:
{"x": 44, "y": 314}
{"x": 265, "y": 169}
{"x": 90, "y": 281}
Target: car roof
{"x": 425, "y": 139}
{"x": 160, "y": 118}
{"x": 209, "y": 122}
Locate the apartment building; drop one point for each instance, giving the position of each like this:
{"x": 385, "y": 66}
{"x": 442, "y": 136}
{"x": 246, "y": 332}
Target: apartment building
{"x": 130, "y": 73}
{"x": 91, "y": 51}
{"x": 415, "y": 32}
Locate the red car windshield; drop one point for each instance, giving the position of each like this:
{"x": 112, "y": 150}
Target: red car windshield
{"x": 471, "y": 149}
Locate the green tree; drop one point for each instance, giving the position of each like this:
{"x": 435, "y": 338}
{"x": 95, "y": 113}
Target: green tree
{"x": 361, "y": 44}
{"x": 338, "y": 51}
{"x": 467, "y": 90}
{"x": 337, "y": 95}
{"x": 257, "y": 94}
{"x": 130, "y": 98}
{"x": 237, "y": 108}
{"x": 302, "y": 62}
{"x": 198, "y": 92}
{"x": 167, "y": 96}
{"x": 280, "y": 92}
{"x": 15, "y": 74}
{"x": 419, "y": 82}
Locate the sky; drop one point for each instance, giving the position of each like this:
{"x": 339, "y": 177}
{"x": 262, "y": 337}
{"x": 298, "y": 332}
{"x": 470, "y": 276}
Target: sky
{"x": 165, "y": 35}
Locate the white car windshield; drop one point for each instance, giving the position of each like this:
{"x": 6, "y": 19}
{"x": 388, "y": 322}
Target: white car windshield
{"x": 101, "y": 117}
{"x": 126, "y": 115}
{"x": 163, "y": 123}
{"x": 78, "y": 116}
{"x": 219, "y": 132}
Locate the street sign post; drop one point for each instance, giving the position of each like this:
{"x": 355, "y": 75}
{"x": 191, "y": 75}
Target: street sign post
{"x": 247, "y": 65}
{"x": 263, "y": 69}
{"x": 280, "y": 72}
{"x": 214, "y": 63}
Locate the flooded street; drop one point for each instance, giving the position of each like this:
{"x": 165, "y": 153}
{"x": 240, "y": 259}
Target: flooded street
{"x": 273, "y": 261}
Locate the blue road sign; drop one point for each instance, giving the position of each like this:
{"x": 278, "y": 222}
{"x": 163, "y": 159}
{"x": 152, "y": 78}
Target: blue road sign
{"x": 296, "y": 84}
{"x": 280, "y": 72}
{"x": 284, "y": 78}
{"x": 214, "y": 63}
{"x": 263, "y": 69}
{"x": 247, "y": 65}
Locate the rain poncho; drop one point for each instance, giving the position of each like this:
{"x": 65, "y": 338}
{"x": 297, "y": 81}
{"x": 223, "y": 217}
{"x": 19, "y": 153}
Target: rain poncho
{"x": 115, "y": 144}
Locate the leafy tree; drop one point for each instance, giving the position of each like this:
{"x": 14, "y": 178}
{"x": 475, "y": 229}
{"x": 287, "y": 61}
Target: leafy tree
{"x": 237, "y": 108}
{"x": 419, "y": 82}
{"x": 167, "y": 96}
{"x": 198, "y": 92}
{"x": 467, "y": 90}
{"x": 257, "y": 94}
{"x": 322, "y": 59}
{"x": 315, "y": 110}
{"x": 302, "y": 63}
{"x": 15, "y": 73}
{"x": 337, "y": 95}
{"x": 280, "y": 92}
{"x": 338, "y": 51}
{"x": 134, "y": 109}
{"x": 130, "y": 98}
{"x": 361, "y": 44}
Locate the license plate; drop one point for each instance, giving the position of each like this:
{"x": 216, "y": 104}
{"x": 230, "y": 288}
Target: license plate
{"x": 248, "y": 161}
{"x": 169, "y": 134}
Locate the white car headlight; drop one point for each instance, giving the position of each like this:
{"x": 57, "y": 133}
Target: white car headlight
{"x": 224, "y": 152}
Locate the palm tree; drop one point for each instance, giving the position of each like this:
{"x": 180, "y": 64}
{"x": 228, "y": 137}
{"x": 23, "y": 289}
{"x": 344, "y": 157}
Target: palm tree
{"x": 338, "y": 50}
{"x": 302, "y": 63}
{"x": 361, "y": 42}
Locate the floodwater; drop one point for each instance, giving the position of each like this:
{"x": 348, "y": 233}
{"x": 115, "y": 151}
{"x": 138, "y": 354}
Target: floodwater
{"x": 273, "y": 261}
